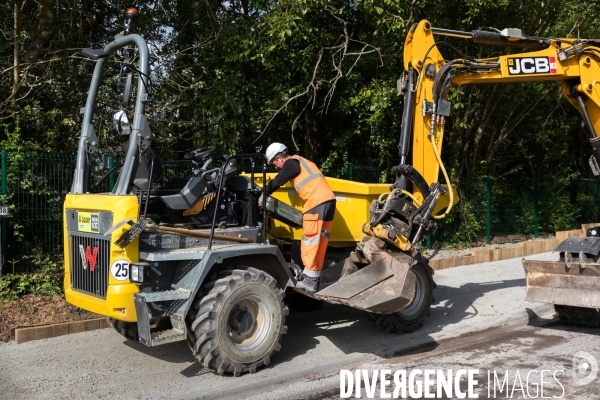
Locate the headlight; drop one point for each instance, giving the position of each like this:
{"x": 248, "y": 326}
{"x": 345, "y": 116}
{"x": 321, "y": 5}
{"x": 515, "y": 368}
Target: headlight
{"x": 139, "y": 272}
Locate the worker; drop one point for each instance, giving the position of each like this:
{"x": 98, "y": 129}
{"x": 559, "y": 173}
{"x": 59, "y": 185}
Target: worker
{"x": 319, "y": 208}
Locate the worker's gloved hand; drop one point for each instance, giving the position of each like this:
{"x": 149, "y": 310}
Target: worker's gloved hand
{"x": 260, "y": 201}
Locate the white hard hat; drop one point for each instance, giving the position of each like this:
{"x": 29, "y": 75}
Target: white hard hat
{"x": 274, "y": 149}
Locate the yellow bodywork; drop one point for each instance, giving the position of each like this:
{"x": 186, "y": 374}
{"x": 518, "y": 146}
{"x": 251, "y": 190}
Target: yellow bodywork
{"x": 420, "y": 50}
{"x": 119, "y": 297}
{"x": 353, "y": 200}
{"x": 351, "y": 212}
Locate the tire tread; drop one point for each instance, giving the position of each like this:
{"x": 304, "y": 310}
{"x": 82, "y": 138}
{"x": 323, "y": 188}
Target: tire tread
{"x": 203, "y": 323}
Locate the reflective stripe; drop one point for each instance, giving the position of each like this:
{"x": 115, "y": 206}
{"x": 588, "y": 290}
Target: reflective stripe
{"x": 313, "y": 240}
{"x": 311, "y": 190}
{"x": 310, "y": 177}
{"x": 305, "y": 165}
{"x": 325, "y": 233}
{"x": 311, "y": 273}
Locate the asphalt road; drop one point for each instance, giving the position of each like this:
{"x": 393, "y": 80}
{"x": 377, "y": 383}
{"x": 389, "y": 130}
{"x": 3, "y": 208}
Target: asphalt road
{"x": 510, "y": 362}
{"x": 101, "y": 364}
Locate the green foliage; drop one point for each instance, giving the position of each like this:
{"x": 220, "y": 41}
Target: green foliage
{"x": 47, "y": 278}
{"x": 318, "y": 75}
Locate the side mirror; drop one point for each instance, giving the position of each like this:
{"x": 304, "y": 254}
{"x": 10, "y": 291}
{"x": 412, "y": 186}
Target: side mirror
{"x": 94, "y": 54}
{"x": 122, "y": 122}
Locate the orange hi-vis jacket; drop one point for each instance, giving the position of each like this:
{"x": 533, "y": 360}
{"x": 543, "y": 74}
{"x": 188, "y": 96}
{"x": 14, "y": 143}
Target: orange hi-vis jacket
{"x": 311, "y": 184}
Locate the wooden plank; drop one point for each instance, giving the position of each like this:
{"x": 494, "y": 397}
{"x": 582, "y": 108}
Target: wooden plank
{"x": 464, "y": 260}
{"x": 23, "y": 335}
{"x": 518, "y": 252}
{"x": 496, "y": 254}
{"x": 436, "y": 264}
{"x": 60, "y": 329}
{"x": 76, "y": 327}
{"x": 507, "y": 253}
{"x": 44, "y": 332}
{"x": 91, "y": 325}
{"x": 449, "y": 263}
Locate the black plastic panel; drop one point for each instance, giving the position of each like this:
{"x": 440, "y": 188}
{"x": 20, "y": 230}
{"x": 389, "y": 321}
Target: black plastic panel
{"x": 589, "y": 245}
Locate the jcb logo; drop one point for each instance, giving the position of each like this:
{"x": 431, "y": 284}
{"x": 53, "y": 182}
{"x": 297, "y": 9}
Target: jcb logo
{"x": 532, "y": 65}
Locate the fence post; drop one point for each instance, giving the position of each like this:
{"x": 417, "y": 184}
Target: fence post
{"x": 535, "y": 205}
{"x": 111, "y": 177}
{"x": 4, "y": 221}
{"x": 351, "y": 171}
{"x": 488, "y": 214}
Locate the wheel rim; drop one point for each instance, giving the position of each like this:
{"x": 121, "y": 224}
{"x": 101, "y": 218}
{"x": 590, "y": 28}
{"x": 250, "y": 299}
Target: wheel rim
{"x": 417, "y": 302}
{"x": 248, "y": 323}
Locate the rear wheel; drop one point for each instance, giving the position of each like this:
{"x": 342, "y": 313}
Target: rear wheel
{"x": 238, "y": 323}
{"x": 411, "y": 317}
{"x": 126, "y": 329}
{"x": 578, "y": 315}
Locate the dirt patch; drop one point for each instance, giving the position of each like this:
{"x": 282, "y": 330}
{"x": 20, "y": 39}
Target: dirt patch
{"x": 34, "y": 310}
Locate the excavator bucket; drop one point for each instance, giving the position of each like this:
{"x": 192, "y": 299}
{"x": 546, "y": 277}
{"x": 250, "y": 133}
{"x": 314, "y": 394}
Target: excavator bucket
{"x": 385, "y": 285}
{"x": 572, "y": 281}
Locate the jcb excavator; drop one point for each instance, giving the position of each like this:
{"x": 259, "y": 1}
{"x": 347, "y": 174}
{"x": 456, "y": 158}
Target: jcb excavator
{"x": 573, "y": 282}
{"x": 169, "y": 259}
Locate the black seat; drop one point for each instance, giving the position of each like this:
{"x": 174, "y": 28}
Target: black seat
{"x": 200, "y": 185}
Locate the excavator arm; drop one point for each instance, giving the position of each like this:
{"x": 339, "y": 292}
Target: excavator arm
{"x": 410, "y": 211}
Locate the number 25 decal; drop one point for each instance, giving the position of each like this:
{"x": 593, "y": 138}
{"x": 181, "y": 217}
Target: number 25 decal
{"x": 120, "y": 270}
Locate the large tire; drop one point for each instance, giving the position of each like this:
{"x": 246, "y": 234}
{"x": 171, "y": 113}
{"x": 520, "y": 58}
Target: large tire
{"x": 411, "y": 317}
{"x": 237, "y": 325}
{"x": 126, "y": 329}
{"x": 580, "y": 316}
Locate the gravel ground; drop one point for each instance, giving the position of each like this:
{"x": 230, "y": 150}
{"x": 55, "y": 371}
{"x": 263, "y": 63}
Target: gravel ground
{"x": 101, "y": 364}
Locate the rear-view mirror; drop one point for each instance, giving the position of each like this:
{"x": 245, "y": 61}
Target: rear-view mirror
{"x": 121, "y": 122}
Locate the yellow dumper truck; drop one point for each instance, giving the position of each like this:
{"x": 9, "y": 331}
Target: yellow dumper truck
{"x": 168, "y": 259}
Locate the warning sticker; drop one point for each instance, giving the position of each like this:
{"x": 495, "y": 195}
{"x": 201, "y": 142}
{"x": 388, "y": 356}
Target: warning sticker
{"x": 88, "y": 222}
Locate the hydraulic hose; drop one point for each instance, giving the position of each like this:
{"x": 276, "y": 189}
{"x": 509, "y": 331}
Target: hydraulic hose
{"x": 450, "y": 191}
{"x": 404, "y": 192}
{"x": 412, "y": 197}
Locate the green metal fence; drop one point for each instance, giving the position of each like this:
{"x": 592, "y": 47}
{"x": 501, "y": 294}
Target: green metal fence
{"x": 493, "y": 206}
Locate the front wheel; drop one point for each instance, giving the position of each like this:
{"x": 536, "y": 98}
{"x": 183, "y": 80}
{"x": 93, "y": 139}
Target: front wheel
{"x": 239, "y": 322}
{"x": 411, "y": 317}
{"x": 580, "y": 316}
{"x": 126, "y": 329}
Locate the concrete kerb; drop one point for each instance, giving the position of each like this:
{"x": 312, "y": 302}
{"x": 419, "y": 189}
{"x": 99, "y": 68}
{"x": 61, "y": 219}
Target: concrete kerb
{"x": 257, "y": 386}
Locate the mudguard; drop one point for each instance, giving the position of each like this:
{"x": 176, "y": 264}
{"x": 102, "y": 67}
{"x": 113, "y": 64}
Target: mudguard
{"x": 193, "y": 267}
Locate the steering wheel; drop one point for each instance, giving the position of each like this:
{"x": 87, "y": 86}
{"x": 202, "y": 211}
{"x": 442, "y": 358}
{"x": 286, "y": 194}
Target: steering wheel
{"x": 200, "y": 153}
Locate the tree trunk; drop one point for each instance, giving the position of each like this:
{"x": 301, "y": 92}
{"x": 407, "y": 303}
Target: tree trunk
{"x": 17, "y": 4}
{"x": 43, "y": 32}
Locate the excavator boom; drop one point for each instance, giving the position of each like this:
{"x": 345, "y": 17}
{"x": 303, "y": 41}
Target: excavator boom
{"x": 410, "y": 211}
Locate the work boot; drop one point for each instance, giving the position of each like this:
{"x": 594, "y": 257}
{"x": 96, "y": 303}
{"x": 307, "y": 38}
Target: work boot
{"x": 308, "y": 283}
